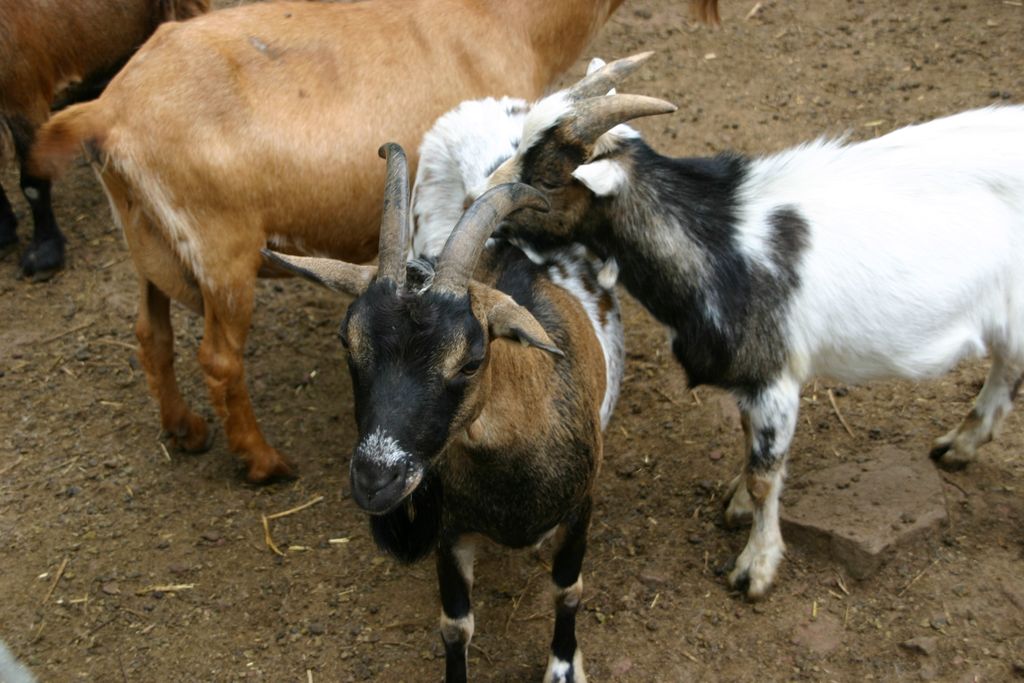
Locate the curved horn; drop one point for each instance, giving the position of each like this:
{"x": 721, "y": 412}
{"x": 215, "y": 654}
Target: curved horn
{"x": 595, "y": 116}
{"x": 607, "y": 77}
{"x": 394, "y": 221}
{"x": 458, "y": 259}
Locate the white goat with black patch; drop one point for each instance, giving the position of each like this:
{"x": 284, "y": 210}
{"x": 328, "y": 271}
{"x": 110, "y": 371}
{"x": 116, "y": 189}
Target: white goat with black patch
{"x": 894, "y": 257}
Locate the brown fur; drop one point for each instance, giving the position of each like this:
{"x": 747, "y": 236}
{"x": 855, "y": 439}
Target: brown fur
{"x": 260, "y": 124}
{"x": 46, "y": 45}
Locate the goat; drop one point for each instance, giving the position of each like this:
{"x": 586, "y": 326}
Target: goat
{"x": 893, "y": 257}
{"x": 65, "y": 50}
{"x": 460, "y": 432}
{"x": 252, "y": 125}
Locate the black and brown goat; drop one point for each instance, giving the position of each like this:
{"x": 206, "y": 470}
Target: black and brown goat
{"x": 478, "y": 392}
{"x": 65, "y": 50}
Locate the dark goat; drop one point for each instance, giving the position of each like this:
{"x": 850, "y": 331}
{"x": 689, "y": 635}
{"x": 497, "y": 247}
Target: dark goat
{"x": 53, "y": 54}
{"x": 478, "y": 392}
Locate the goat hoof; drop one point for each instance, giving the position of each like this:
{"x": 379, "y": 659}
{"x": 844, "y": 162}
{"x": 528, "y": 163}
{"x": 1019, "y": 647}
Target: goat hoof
{"x": 947, "y": 458}
{"x": 752, "y": 589}
{"x": 193, "y": 436}
{"x": 271, "y": 470}
{"x": 42, "y": 260}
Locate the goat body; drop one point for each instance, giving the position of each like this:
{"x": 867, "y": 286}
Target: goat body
{"x": 893, "y": 257}
{"x": 45, "y": 47}
{"x": 254, "y": 126}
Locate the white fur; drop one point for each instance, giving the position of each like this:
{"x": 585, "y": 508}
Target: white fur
{"x": 11, "y": 671}
{"x": 574, "y": 260}
{"x": 603, "y": 177}
{"x": 456, "y": 155}
{"x": 916, "y": 254}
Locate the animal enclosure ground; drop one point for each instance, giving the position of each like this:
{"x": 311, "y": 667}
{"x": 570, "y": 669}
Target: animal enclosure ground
{"x": 121, "y": 561}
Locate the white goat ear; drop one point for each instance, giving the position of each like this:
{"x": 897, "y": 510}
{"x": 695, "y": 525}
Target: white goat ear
{"x": 340, "y": 276}
{"x": 505, "y": 318}
{"x": 604, "y": 177}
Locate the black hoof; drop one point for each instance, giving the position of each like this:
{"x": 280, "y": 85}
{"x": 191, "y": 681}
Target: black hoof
{"x": 946, "y": 459}
{"x": 742, "y": 583}
{"x": 936, "y": 453}
{"x": 42, "y": 260}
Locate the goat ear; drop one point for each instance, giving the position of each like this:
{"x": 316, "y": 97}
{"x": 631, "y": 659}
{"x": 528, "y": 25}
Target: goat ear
{"x": 340, "y": 276}
{"x": 604, "y": 177}
{"x": 505, "y": 318}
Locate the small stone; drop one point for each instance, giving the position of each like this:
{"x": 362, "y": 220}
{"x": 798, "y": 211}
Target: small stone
{"x": 72, "y": 491}
{"x": 211, "y": 536}
{"x": 111, "y": 588}
{"x": 695, "y": 540}
{"x": 715, "y": 455}
{"x": 316, "y": 628}
{"x": 925, "y": 645}
{"x": 643, "y": 13}
{"x": 939, "y": 622}
{"x": 653, "y": 578}
{"x": 621, "y": 668}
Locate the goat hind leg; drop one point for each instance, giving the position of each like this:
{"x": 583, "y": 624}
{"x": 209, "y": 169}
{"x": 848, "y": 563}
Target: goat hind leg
{"x": 228, "y": 312}
{"x": 772, "y": 415}
{"x": 44, "y": 255}
{"x": 956, "y": 449}
{"x": 187, "y": 430}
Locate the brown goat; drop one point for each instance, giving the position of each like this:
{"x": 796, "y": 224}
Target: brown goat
{"x": 258, "y": 126}
{"x": 46, "y": 46}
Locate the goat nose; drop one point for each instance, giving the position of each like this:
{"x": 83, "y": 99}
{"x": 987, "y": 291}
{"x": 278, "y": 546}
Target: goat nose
{"x": 372, "y": 478}
{"x": 377, "y": 487}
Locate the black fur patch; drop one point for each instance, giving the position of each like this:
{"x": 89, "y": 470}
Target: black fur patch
{"x": 674, "y": 233}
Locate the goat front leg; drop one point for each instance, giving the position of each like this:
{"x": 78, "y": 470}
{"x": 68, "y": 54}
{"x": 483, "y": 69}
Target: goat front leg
{"x": 228, "y": 312}
{"x": 956, "y": 449}
{"x": 772, "y": 417}
{"x": 565, "y": 664}
{"x": 455, "y": 578}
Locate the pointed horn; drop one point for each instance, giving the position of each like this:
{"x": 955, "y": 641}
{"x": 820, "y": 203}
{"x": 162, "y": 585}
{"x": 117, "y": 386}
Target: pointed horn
{"x": 458, "y": 259}
{"x": 596, "y": 116}
{"x": 607, "y": 77}
{"x": 337, "y": 275}
{"x": 394, "y": 221}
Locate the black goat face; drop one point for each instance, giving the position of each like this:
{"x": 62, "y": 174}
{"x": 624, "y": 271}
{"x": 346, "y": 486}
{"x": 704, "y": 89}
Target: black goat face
{"x": 414, "y": 361}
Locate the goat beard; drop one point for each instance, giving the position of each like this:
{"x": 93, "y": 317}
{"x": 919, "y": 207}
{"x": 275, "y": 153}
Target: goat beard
{"x": 410, "y": 532}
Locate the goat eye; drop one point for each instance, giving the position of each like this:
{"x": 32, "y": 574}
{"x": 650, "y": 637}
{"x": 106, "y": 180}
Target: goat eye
{"x": 546, "y": 185}
{"x": 470, "y": 368}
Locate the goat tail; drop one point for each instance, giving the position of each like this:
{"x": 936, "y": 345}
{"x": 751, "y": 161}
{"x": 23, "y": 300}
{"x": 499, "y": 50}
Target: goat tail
{"x": 59, "y": 141}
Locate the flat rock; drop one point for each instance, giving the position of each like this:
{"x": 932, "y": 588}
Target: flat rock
{"x": 820, "y": 636}
{"x": 859, "y": 513}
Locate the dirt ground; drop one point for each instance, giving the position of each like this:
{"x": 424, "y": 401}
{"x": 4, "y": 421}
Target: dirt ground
{"x": 166, "y": 576}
